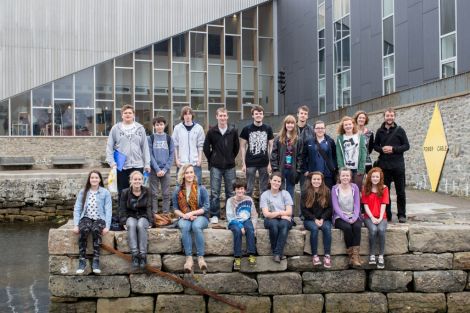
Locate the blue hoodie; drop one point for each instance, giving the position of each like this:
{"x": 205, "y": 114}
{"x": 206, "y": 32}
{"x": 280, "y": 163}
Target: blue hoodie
{"x": 161, "y": 156}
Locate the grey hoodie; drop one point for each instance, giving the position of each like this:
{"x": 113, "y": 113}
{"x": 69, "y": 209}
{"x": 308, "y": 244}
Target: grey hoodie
{"x": 135, "y": 148}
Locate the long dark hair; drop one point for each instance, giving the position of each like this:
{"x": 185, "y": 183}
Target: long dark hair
{"x": 322, "y": 195}
{"x": 88, "y": 185}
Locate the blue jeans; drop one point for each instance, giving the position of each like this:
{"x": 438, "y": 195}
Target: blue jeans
{"x": 196, "y": 226}
{"x": 287, "y": 177}
{"x": 278, "y": 231}
{"x": 326, "y": 230}
{"x": 250, "y": 179}
{"x": 237, "y": 238}
{"x": 216, "y": 175}
{"x": 376, "y": 230}
{"x": 137, "y": 234}
{"x": 197, "y": 171}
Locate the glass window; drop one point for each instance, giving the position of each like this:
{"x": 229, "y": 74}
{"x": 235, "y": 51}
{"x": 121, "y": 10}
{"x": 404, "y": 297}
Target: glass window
{"x": 337, "y": 26}
{"x": 160, "y": 90}
{"x": 42, "y": 96}
{"x": 232, "y": 54}
{"x": 345, "y": 26}
{"x": 265, "y": 93}
{"x": 144, "y": 54}
{"x": 387, "y": 7}
{"x": 215, "y": 83}
{"x": 389, "y": 86}
{"x": 321, "y": 39}
{"x": 201, "y": 119}
{"x": 177, "y": 111}
{"x": 248, "y": 79}
{"x": 21, "y": 114}
{"x": 63, "y": 117}
{"x": 322, "y": 104}
{"x": 249, "y": 18}
{"x": 198, "y": 91}
{"x": 180, "y": 82}
{"x": 448, "y": 47}
{"x": 346, "y": 97}
{"x": 265, "y": 56}
{"x": 447, "y": 16}
{"x": 346, "y": 57}
{"x": 42, "y": 110}
{"x": 63, "y": 88}
{"x": 337, "y": 58}
{"x": 345, "y": 8}
{"x": 161, "y": 55}
{"x": 84, "y": 122}
{"x": 144, "y": 115}
{"x": 232, "y": 24}
{"x": 388, "y": 35}
{"x": 217, "y": 22}
{"x": 336, "y": 9}
{"x": 104, "y": 117}
{"x": 198, "y": 52}
{"x": 321, "y": 63}
{"x": 215, "y": 37}
{"x": 84, "y": 89}
{"x": 232, "y": 92}
{"x": 123, "y": 87}
{"x": 249, "y": 47}
{"x": 265, "y": 21}
{"x": 143, "y": 81}
{"x": 448, "y": 69}
{"x": 389, "y": 66}
{"x": 321, "y": 16}
{"x": 4, "y": 120}
{"x": 126, "y": 60}
{"x": 104, "y": 80}
{"x": 322, "y": 86}
{"x": 179, "y": 48}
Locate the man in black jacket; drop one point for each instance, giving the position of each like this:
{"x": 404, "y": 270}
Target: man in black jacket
{"x": 391, "y": 142}
{"x": 221, "y": 147}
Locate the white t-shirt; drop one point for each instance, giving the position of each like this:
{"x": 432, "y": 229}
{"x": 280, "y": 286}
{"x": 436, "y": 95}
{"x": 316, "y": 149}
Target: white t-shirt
{"x": 351, "y": 151}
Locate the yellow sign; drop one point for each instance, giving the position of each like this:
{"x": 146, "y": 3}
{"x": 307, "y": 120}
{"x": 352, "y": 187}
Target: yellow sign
{"x": 435, "y": 148}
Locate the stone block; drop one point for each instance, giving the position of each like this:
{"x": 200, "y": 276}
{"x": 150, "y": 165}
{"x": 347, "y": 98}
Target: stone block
{"x": 279, "y": 283}
{"x": 160, "y": 240}
{"x": 334, "y": 281}
{"x": 13, "y": 204}
{"x": 419, "y": 262}
{"x": 390, "y": 281}
{"x": 32, "y": 212}
{"x": 217, "y": 242}
{"x": 294, "y": 244}
{"x": 75, "y": 307}
{"x": 113, "y": 264}
{"x": 180, "y": 304}
{"x": 48, "y": 209}
{"x": 89, "y": 286}
{"x": 461, "y": 261}
{"x": 21, "y": 218}
{"x": 440, "y": 281}
{"x": 10, "y": 211}
{"x": 263, "y": 264}
{"x": 151, "y": 283}
{"x": 64, "y": 265}
{"x": 217, "y": 264}
{"x": 125, "y": 305}
{"x": 298, "y": 303}
{"x": 252, "y": 304}
{"x": 370, "y": 302}
{"x": 304, "y": 264}
{"x": 41, "y": 218}
{"x": 63, "y": 241}
{"x": 439, "y": 238}
{"x": 416, "y": 302}
{"x": 458, "y": 302}
{"x": 223, "y": 283}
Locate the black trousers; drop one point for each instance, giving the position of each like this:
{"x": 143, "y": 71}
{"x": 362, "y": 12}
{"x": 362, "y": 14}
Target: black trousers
{"x": 397, "y": 175}
{"x": 87, "y": 226}
{"x": 351, "y": 232}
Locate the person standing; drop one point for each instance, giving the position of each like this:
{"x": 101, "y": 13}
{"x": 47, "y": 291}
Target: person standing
{"x": 127, "y": 140}
{"x": 256, "y": 142}
{"x": 305, "y": 132}
{"x": 362, "y": 119}
{"x": 221, "y": 147}
{"x": 188, "y": 138}
{"x": 391, "y": 143}
{"x": 319, "y": 155}
{"x": 162, "y": 153}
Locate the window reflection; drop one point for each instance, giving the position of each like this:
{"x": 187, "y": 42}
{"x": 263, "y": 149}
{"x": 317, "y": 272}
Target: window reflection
{"x": 21, "y": 115}
{"x": 63, "y": 118}
{"x": 4, "y": 120}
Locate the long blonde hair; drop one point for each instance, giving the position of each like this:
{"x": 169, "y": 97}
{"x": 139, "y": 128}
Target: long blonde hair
{"x": 283, "y": 130}
{"x": 181, "y": 172}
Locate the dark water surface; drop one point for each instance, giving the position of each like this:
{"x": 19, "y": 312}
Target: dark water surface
{"x": 24, "y": 267}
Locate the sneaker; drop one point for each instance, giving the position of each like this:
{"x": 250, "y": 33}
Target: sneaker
{"x": 381, "y": 262}
{"x": 252, "y": 260}
{"x": 237, "y": 264}
{"x": 142, "y": 261}
{"x": 96, "y": 266}
{"x": 402, "y": 219}
{"x": 135, "y": 261}
{"x": 372, "y": 260}
{"x": 214, "y": 220}
{"x": 316, "y": 260}
{"x": 327, "y": 261}
{"x": 277, "y": 258}
{"x": 81, "y": 266}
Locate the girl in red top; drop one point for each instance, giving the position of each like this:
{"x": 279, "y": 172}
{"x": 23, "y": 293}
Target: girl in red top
{"x": 375, "y": 198}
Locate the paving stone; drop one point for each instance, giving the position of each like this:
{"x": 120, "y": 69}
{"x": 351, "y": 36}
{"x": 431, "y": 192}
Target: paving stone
{"x": 180, "y": 304}
{"x": 302, "y": 303}
{"x": 280, "y": 283}
{"x": 390, "y": 281}
{"x": 419, "y": 262}
{"x": 458, "y": 302}
{"x": 439, "y": 238}
{"x": 334, "y": 281}
{"x": 252, "y": 303}
{"x": 355, "y": 303}
{"x": 75, "y": 307}
{"x": 152, "y": 283}
{"x": 440, "y": 281}
{"x": 126, "y": 305}
{"x": 89, "y": 286}
{"x": 223, "y": 283}
{"x": 461, "y": 261}
{"x": 416, "y": 302}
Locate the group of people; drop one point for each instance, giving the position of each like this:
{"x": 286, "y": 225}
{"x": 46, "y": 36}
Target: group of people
{"x": 330, "y": 172}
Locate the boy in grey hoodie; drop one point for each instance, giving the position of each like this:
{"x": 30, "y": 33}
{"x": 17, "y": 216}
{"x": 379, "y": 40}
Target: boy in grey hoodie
{"x": 129, "y": 138}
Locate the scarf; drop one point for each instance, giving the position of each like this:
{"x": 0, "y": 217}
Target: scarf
{"x": 184, "y": 205}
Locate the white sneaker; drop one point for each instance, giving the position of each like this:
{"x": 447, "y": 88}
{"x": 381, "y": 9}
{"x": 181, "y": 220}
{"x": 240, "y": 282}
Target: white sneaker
{"x": 214, "y": 220}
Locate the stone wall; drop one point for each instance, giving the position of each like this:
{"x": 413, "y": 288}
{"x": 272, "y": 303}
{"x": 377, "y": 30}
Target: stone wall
{"x": 426, "y": 270}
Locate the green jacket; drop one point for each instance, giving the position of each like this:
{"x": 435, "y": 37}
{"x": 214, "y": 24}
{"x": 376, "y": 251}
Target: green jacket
{"x": 361, "y": 167}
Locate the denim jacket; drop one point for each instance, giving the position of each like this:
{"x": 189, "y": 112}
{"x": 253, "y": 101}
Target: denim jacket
{"x": 104, "y": 204}
{"x": 202, "y": 199}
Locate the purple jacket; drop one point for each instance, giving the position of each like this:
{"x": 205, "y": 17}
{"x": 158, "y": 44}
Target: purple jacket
{"x": 337, "y": 212}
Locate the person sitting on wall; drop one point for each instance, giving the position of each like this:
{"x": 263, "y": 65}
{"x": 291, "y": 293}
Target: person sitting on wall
{"x": 92, "y": 214}
{"x": 242, "y": 218}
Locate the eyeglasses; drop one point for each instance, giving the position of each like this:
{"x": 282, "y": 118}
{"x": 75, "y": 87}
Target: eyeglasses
{"x": 320, "y": 128}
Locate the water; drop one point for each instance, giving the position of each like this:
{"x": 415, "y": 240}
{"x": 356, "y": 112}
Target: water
{"x": 24, "y": 268}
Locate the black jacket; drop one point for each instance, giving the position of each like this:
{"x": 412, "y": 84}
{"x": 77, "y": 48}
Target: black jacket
{"x": 277, "y": 158}
{"x": 142, "y": 207}
{"x": 398, "y": 141}
{"x": 221, "y": 150}
{"x": 316, "y": 212}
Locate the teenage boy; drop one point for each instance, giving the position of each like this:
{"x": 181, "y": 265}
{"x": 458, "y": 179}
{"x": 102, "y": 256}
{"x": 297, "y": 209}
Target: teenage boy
{"x": 161, "y": 154}
{"x": 221, "y": 147}
{"x": 305, "y": 132}
{"x": 188, "y": 138}
{"x": 258, "y": 137}
{"x": 242, "y": 218}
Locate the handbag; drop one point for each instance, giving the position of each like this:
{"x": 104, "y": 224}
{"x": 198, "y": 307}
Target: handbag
{"x": 163, "y": 219}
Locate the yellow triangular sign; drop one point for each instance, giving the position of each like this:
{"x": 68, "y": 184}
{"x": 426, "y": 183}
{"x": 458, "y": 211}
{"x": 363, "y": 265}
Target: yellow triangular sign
{"x": 435, "y": 148}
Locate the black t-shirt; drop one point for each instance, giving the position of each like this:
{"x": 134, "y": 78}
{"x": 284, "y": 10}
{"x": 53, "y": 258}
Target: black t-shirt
{"x": 257, "y": 138}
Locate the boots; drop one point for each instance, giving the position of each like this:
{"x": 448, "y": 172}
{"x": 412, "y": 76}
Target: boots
{"x": 349, "y": 251}
{"x": 135, "y": 261}
{"x": 202, "y": 264}
{"x": 188, "y": 265}
{"x": 142, "y": 261}
{"x": 356, "y": 258}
